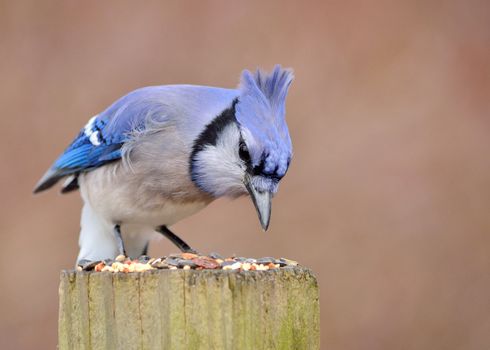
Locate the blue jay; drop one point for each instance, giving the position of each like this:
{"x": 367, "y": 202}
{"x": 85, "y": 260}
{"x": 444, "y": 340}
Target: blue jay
{"x": 162, "y": 153}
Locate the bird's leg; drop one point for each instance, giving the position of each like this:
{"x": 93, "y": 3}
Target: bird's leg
{"x": 184, "y": 247}
{"x": 145, "y": 249}
{"x": 119, "y": 239}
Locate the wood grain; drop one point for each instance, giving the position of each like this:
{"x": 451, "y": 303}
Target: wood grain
{"x": 188, "y": 309}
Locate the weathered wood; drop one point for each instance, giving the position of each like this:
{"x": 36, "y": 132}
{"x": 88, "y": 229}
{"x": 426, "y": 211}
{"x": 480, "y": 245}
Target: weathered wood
{"x": 188, "y": 309}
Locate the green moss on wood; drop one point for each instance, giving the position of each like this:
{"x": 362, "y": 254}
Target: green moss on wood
{"x": 178, "y": 309}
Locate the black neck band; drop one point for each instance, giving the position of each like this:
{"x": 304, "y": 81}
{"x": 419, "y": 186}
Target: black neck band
{"x": 210, "y": 134}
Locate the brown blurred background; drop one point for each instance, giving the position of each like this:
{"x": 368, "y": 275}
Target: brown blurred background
{"x": 388, "y": 195}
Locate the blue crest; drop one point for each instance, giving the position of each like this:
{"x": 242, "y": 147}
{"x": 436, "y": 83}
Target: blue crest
{"x": 260, "y": 111}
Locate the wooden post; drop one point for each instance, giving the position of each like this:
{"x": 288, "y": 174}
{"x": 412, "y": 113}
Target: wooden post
{"x": 189, "y": 309}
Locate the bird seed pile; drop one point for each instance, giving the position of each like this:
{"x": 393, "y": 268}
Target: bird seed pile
{"x": 184, "y": 261}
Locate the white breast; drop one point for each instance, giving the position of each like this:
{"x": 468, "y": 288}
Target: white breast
{"x": 120, "y": 200}
{"x": 109, "y": 202}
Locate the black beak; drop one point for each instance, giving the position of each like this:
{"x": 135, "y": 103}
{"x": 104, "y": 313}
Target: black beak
{"x": 262, "y": 201}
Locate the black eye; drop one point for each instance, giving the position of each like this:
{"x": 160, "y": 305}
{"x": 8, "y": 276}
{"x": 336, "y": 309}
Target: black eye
{"x": 243, "y": 152}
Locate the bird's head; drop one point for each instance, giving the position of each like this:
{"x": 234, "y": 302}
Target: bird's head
{"x": 247, "y": 148}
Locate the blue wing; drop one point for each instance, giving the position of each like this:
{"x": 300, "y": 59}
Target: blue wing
{"x": 100, "y": 140}
{"x": 92, "y": 147}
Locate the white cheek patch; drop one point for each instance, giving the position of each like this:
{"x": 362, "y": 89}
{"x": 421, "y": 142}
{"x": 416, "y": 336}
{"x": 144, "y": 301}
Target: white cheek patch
{"x": 219, "y": 169}
{"x": 93, "y": 135}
